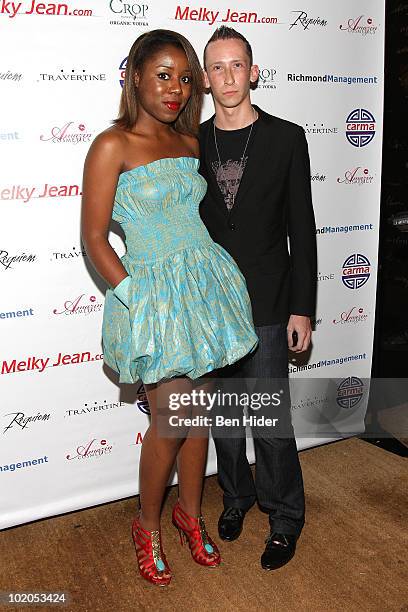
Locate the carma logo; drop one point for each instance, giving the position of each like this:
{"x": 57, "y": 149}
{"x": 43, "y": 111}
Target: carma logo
{"x": 349, "y": 392}
{"x": 360, "y": 127}
{"x": 356, "y": 271}
{"x": 122, "y": 70}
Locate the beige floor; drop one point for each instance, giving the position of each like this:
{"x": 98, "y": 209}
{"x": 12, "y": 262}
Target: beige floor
{"x": 351, "y": 557}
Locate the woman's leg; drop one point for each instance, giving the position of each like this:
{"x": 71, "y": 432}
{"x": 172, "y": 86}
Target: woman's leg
{"x": 191, "y": 460}
{"x": 192, "y": 456}
{"x": 158, "y": 453}
{"x": 161, "y": 444}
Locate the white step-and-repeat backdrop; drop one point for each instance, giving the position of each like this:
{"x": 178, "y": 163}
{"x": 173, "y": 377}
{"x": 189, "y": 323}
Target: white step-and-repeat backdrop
{"x": 69, "y": 436}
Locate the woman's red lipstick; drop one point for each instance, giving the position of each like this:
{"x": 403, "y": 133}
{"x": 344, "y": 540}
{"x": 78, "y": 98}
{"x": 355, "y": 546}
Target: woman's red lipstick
{"x": 174, "y": 106}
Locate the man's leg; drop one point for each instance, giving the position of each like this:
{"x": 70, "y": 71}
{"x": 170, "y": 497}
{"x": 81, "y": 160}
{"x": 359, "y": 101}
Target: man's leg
{"x": 234, "y": 473}
{"x": 279, "y": 483}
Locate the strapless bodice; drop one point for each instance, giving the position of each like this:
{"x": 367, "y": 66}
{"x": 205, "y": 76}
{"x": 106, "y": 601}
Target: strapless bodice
{"x": 157, "y": 206}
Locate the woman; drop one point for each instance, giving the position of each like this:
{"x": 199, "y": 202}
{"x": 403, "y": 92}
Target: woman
{"x": 178, "y": 307}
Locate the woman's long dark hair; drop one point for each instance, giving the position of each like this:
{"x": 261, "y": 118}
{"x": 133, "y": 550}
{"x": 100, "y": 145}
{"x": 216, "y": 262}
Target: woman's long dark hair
{"x": 142, "y": 49}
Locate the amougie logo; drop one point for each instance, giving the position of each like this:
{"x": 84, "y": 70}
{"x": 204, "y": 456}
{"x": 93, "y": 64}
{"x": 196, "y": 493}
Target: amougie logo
{"x": 360, "y": 127}
{"x": 349, "y": 392}
{"x": 356, "y": 271}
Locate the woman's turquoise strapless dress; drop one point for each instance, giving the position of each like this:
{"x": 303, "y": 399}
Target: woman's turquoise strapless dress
{"x": 189, "y": 311}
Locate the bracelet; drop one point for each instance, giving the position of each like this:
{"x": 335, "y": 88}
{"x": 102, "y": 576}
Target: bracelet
{"x": 122, "y": 291}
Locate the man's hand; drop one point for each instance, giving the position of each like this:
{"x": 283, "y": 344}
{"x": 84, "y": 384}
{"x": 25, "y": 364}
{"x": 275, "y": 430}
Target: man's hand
{"x": 301, "y": 325}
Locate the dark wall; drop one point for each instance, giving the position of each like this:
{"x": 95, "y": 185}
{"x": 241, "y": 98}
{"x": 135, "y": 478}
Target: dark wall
{"x": 391, "y": 336}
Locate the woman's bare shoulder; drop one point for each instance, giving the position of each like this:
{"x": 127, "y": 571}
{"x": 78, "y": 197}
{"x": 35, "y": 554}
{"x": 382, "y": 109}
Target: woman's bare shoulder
{"x": 192, "y": 144}
{"x": 110, "y": 140}
{"x": 108, "y": 147}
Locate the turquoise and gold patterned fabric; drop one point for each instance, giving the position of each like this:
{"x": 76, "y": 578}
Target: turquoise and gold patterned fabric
{"x": 189, "y": 309}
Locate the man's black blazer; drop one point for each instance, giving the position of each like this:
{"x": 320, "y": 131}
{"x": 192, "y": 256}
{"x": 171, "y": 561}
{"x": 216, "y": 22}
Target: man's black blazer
{"x": 273, "y": 203}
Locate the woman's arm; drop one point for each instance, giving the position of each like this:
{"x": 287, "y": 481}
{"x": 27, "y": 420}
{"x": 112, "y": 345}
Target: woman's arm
{"x": 102, "y": 167}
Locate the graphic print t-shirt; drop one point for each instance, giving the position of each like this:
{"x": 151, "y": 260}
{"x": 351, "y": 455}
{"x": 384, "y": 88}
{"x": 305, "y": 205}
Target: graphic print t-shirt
{"x": 231, "y": 145}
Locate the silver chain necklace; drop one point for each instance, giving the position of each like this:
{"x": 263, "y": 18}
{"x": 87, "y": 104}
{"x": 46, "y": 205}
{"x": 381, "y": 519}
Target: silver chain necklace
{"x": 241, "y": 166}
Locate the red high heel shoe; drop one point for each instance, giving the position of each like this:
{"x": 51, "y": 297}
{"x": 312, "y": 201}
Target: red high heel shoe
{"x": 203, "y": 550}
{"x": 151, "y": 559}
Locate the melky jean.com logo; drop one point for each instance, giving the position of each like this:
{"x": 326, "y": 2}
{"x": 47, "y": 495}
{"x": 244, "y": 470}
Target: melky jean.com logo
{"x": 202, "y": 13}
{"x": 25, "y": 194}
{"x": 11, "y": 9}
{"x": 32, "y": 363}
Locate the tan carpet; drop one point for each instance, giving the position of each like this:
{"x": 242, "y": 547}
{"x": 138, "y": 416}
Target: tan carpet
{"x": 351, "y": 556}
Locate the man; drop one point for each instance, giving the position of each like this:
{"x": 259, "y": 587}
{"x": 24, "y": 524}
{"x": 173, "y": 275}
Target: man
{"x": 258, "y": 174}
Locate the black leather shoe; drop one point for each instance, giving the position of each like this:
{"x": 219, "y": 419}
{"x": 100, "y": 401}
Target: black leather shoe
{"x": 230, "y": 523}
{"x": 280, "y": 548}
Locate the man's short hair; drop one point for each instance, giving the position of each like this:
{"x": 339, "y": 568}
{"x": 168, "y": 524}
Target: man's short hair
{"x": 225, "y": 33}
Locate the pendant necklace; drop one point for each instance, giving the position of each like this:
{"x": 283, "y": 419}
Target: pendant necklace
{"x": 234, "y": 174}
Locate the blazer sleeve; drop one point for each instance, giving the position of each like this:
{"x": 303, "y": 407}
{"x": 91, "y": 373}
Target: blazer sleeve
{"x": 301, "y": 231}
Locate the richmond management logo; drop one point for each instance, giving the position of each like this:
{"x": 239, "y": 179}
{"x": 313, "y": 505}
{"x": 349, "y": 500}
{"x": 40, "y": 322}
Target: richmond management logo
{"x": 356, "y": 271}
{"x": 360, "y": 127}
{"x": 349, "y": 392}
